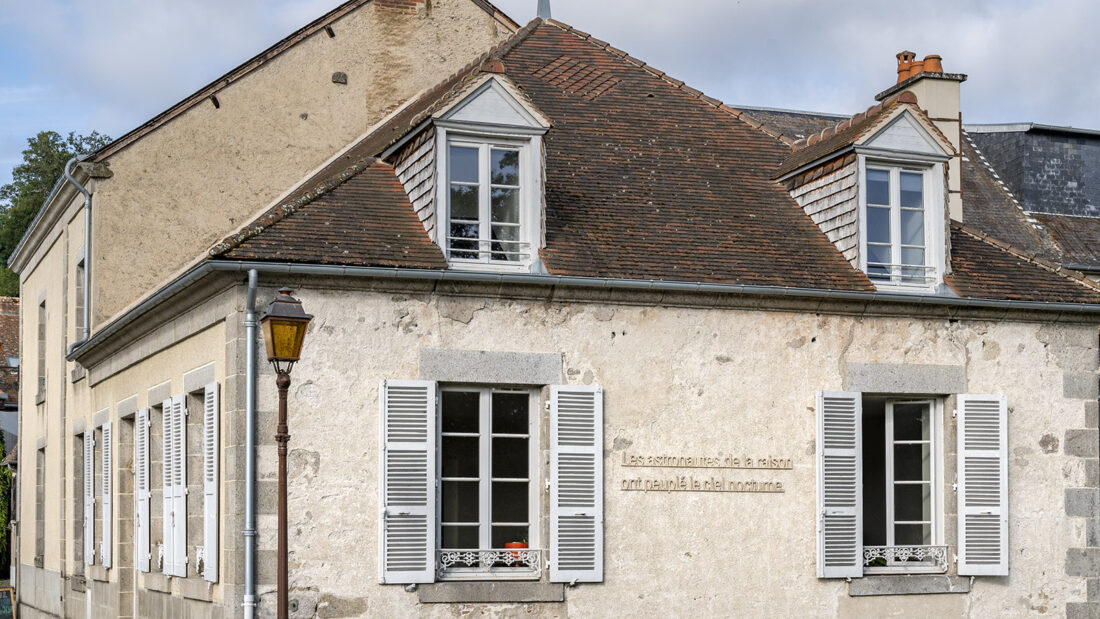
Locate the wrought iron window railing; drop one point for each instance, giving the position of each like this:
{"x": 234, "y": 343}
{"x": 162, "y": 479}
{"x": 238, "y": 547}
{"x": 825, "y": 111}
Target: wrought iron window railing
{"x": 902, "y": 273}
{"x": 502, "y": 564}
{"x": 906, "y": 559}
{"x": 495, "y": 250}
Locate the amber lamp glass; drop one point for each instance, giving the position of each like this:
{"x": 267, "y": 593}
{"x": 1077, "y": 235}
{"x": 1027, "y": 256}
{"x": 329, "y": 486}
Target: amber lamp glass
{"x": 284, "y": 327}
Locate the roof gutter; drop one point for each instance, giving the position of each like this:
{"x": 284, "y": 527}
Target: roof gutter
{"x": 1084, "y": 268}
{"x": 203, "y": 269}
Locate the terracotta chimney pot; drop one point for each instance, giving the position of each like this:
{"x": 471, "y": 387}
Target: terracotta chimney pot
{"x": 905, "y": 60}
{"x": 916, "y": 68}
{"x": 933, "y": 64}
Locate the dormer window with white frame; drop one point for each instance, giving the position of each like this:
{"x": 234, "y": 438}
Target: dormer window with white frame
{"x": 489, "y": 170}
{"x": 902, "y": 207}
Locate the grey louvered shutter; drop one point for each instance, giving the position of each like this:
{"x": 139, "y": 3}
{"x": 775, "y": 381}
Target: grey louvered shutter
{"x": 210, "y": 421}
{"x": 167, "y": 427}
{"x": 407, "y": 485}
{"x": 983, "y": 485}
{"x": 141, "y": 490}
{"x": 179, "y": 495}
{"x": 89, "y": 497}
{"x": 107, "y": 478}
{"x": 839, "y": 485}
{"x": 576, "y": 484}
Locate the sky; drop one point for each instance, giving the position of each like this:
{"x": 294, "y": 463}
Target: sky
{"x": 110, "y": 65}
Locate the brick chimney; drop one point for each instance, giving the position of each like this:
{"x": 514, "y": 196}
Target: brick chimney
{"x": 938, "y": 94}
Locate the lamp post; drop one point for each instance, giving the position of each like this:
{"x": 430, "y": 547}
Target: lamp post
{"x": 284, "y": 327}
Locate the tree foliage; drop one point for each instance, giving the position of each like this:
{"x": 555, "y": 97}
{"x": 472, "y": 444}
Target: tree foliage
{"x": 43, "y": 163}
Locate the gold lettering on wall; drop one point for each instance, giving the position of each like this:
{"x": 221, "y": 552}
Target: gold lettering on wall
{"x": 706, "y": 483}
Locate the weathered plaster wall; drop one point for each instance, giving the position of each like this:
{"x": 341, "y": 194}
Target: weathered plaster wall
{"x": 684, "y": 381}
{"x": 210, "y": 170}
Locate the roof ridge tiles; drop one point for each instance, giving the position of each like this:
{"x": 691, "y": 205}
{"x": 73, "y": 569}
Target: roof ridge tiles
{"x": 286, "y": 208}
{"x": 675, "y": 83}
{"x": 1029, "y": 257}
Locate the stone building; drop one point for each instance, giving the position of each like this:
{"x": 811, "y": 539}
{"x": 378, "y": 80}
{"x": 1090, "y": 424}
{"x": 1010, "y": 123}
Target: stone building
{"x": 585, "y": 341}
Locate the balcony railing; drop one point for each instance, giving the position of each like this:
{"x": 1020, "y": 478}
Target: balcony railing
{"x": 905, "y": 559}
{"x": 496, "y": 250}
{"x": 502, "y": 564}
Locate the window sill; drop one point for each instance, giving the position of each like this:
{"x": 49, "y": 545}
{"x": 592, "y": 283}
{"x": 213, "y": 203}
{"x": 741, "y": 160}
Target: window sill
{"x": 40, "y": 397}
{"x": 908, "y": 584}
{"x": 98, "y": 573}
{"x": 78, "y": 584}
{"x": 77, "y": 373}
{"x": 490, "y": 267}
{"x": 193, "y": 589}
{"x": 491, "y": 592}
{"x": 157, "y": 582}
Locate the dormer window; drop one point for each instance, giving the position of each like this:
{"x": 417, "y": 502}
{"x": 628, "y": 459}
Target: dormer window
{"x": 485, "y": 202}
{"x": 897, "y": 242}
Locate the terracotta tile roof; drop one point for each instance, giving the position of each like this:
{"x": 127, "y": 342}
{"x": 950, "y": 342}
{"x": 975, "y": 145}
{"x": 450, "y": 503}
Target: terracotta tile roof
{"x": 12, "y": 457}
{"x": 1077, "y": 236}
{"x": 985, "y": 268}
{"x": 363, "y": 218}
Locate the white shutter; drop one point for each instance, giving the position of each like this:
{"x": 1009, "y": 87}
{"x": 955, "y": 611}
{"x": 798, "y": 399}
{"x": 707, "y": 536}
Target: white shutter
{"x": 983, "y": 485}
{"x": 179, "y": 495}
{"x": 210, "y": 421}
{"x": 839, "y": 485}
{"x": 167, "y": 429}
{"x": 107, "y": 478}
{"x": 141, "y": 490}
{"x": 89, "y": 497}
{"x": 407, "y": 524}
{"x": 576, "y": 484}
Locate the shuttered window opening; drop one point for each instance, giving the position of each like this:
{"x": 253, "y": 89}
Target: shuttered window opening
{"x": 89, "y": 497}
{"x": 576, "y": 485}
{"x": 210, "y": 472}
{"x": 107, "y": 478}
{"x": 983, "y": 485}
{"x": 141, "y": 490}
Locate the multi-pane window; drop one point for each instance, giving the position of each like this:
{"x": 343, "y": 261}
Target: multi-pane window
{"x": 486, "y": 459}
{"x": 484, "y": 190}
{"x": 41, "y": 347}
{"x": 897, "y": 241}
{"x": 79, "y": 304}
{"x": 899, "y": 482}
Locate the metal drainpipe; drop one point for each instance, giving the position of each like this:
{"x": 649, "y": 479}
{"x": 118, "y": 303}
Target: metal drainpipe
{"x": 249, "y": 531}
{"x": 86, "y": 330}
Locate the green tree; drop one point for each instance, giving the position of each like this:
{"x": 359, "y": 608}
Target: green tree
{"x": 43, "y": 163}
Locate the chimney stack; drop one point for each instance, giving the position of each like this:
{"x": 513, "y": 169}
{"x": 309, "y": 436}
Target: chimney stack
{"x": 544, "y": 9}
{"x": 938, "y": 94}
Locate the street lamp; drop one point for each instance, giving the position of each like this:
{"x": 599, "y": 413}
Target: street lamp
{"x": 284, "y": 326}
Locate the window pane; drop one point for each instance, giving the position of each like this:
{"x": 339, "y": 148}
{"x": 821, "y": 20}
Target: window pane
{"x": 510, "y": 413}
{"x": 464, "y": 202}
{"x": 464, "y": 164}
{"x": 459, "y": 456}
{"x": 510, "y": 501}
{"x": 912, "y": 502}
{"x": 505, "y": 535}
{"x": 912, "y": 190}
{"x": 460, "y": 537}
{"x": 505, "y": 251}
{"x": 878, "y": 187}
{"x": 505, "y": 206}
{"x": 460, "y": 411}
{"x": 912, "y": 227}
{"x": 912, "y": 256}
{"x": 912, "y": 535}
{"x": 505, "y": 167}
{"x": 509, "y": 457}
{"x": 459, "y": 501}
{"x": 912, "y": 462}
{"x": 464, "y": 249}
{"x": 911, "y": 422}
{"x": 878, "y": 225}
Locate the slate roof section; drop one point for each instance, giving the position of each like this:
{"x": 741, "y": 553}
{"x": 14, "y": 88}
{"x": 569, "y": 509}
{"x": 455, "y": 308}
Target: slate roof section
{"x": 794, "y": 124}
{"x": 983, "y": 268}
{"x": 362, "y": 219}
{"x": 1077, "y": 236}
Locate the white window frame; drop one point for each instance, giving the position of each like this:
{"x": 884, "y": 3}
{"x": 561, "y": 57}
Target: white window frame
{"x": 535, "y": 480}
{"x": 934, "y": 204}
{"x": 529, "y": 144}
{"x": 936, "y": 511}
